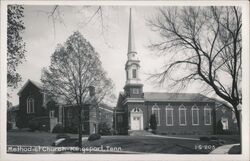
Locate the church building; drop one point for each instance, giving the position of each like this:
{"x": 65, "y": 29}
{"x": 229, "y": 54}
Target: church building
{"x": 176, "y": 113}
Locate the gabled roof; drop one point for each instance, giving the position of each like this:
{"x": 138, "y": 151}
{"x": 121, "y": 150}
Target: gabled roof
{"x": 157, "y": 96}
{"x": 37, "y": 84}
{"x": 105, "y": 106}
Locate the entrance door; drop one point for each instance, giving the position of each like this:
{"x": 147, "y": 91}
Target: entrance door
{"x": 136, "y": 123}
{"x": 136, "y": 119}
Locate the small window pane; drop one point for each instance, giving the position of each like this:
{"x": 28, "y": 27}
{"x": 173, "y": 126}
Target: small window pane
{"x": 134, "y": 73}
{"x": 207, "y": 115}
{"x": 169, "y": 116}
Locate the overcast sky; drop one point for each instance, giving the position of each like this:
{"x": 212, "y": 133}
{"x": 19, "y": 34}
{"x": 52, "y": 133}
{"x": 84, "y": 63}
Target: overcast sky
{"x": 42, "y": 35}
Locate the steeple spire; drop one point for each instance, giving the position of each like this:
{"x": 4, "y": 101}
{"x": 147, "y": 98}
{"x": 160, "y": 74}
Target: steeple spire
{"x": 131, "y": 41}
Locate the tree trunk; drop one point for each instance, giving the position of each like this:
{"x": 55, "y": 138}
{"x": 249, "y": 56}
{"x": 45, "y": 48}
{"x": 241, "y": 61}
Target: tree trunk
{"x": 80, "y": 127}
{"x": 237, "y": 115}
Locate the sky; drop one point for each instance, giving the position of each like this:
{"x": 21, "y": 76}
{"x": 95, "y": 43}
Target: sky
{"x": 109, "y": 38}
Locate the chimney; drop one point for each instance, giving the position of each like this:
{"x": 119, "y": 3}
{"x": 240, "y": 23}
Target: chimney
{"x": 91, "y": 91}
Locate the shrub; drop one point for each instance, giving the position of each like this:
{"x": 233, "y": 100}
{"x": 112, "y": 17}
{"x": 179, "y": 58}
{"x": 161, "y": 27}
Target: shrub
{"x": 213, "y": 138}
{"x": 219, "y": 129}
{"x": 93, "y": 137}
{"x": 153, "y": 122}
{"x": 58, "y": 129}
{"x": 104, "y": 129}
{"x": 60, "y": 136}
{"x": 33, "y": 125}
{"x": 71, "y": 129}
{"x": 204, "y": 138}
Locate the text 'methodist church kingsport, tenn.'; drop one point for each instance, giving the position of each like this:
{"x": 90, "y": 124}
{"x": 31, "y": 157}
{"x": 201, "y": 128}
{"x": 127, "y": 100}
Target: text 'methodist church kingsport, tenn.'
{"x": 176, "y": 113}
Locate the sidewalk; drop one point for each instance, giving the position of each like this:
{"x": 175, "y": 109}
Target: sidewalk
{"x": 173, "y": 137}
{"x": 223, "y": 149}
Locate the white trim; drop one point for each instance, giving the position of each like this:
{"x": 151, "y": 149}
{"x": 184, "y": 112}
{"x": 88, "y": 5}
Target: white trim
{"x": 182, "y": 108}
{"x": 106, "y": 109}
{"x": 195, "y": 108}
{"x": 207, "y": 108}
{"x": 133, "y": 100}
{"x": 169, "y": 108}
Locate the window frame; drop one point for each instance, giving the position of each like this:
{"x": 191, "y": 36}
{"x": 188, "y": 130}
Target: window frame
{"x": 195, "y": 108}
{"x": 169, "y": 108}
{"x": 30, "y": 106}
{"x": 182, "y": 108}
{"x": 207, "y": 108}
{"x": 155, "y": 107}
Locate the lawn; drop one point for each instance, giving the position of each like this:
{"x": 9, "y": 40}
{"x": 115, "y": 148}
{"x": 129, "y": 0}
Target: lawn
{"x": 32, "y": 138}
{"x": 129, "y": 144}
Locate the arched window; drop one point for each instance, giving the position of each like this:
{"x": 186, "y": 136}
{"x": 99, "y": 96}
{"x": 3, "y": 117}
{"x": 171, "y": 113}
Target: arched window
{"x": 30, "y": 105}
{"x": 182, "y": 115}
{"x": 195, "y": 115}
{"x": 134, "y": 73}
{"x": 169, "y": 116}
{"x": 207, "y": 115}
{"x": 156, "y": 111}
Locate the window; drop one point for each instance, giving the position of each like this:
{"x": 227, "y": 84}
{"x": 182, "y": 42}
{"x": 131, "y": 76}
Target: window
{"x": 30, "y": 105}
{"x": 156, "y": 111}
{"x": 195, "y": 115}
{"x": 134, "y": 73}
{"x": 207, "y": 115}
{"x": 182, "y": 115}
{"x": 169, "y": 116}
{"x": 52, "y": 114}
{"x": 135, "y": 91}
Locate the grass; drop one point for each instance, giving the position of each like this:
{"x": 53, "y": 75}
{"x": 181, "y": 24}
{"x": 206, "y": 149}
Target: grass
{"x": 32, "y": 138}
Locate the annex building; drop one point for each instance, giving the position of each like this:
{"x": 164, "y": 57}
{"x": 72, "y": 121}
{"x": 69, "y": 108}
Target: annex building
{"x": 36, "y": 109}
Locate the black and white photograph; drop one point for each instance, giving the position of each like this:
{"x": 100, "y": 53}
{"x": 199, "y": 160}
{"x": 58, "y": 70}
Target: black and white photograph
{"x": 125, "y": 79}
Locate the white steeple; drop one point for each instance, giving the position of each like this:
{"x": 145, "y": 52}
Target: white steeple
{"x": 133, "y": 64}
{"x": 131, "y": 41}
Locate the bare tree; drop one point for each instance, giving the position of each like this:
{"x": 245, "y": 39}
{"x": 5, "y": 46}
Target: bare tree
{"x": 75, "y": 67}
{"x": 96, "y": 13}
{"x": 203, "y": 44}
